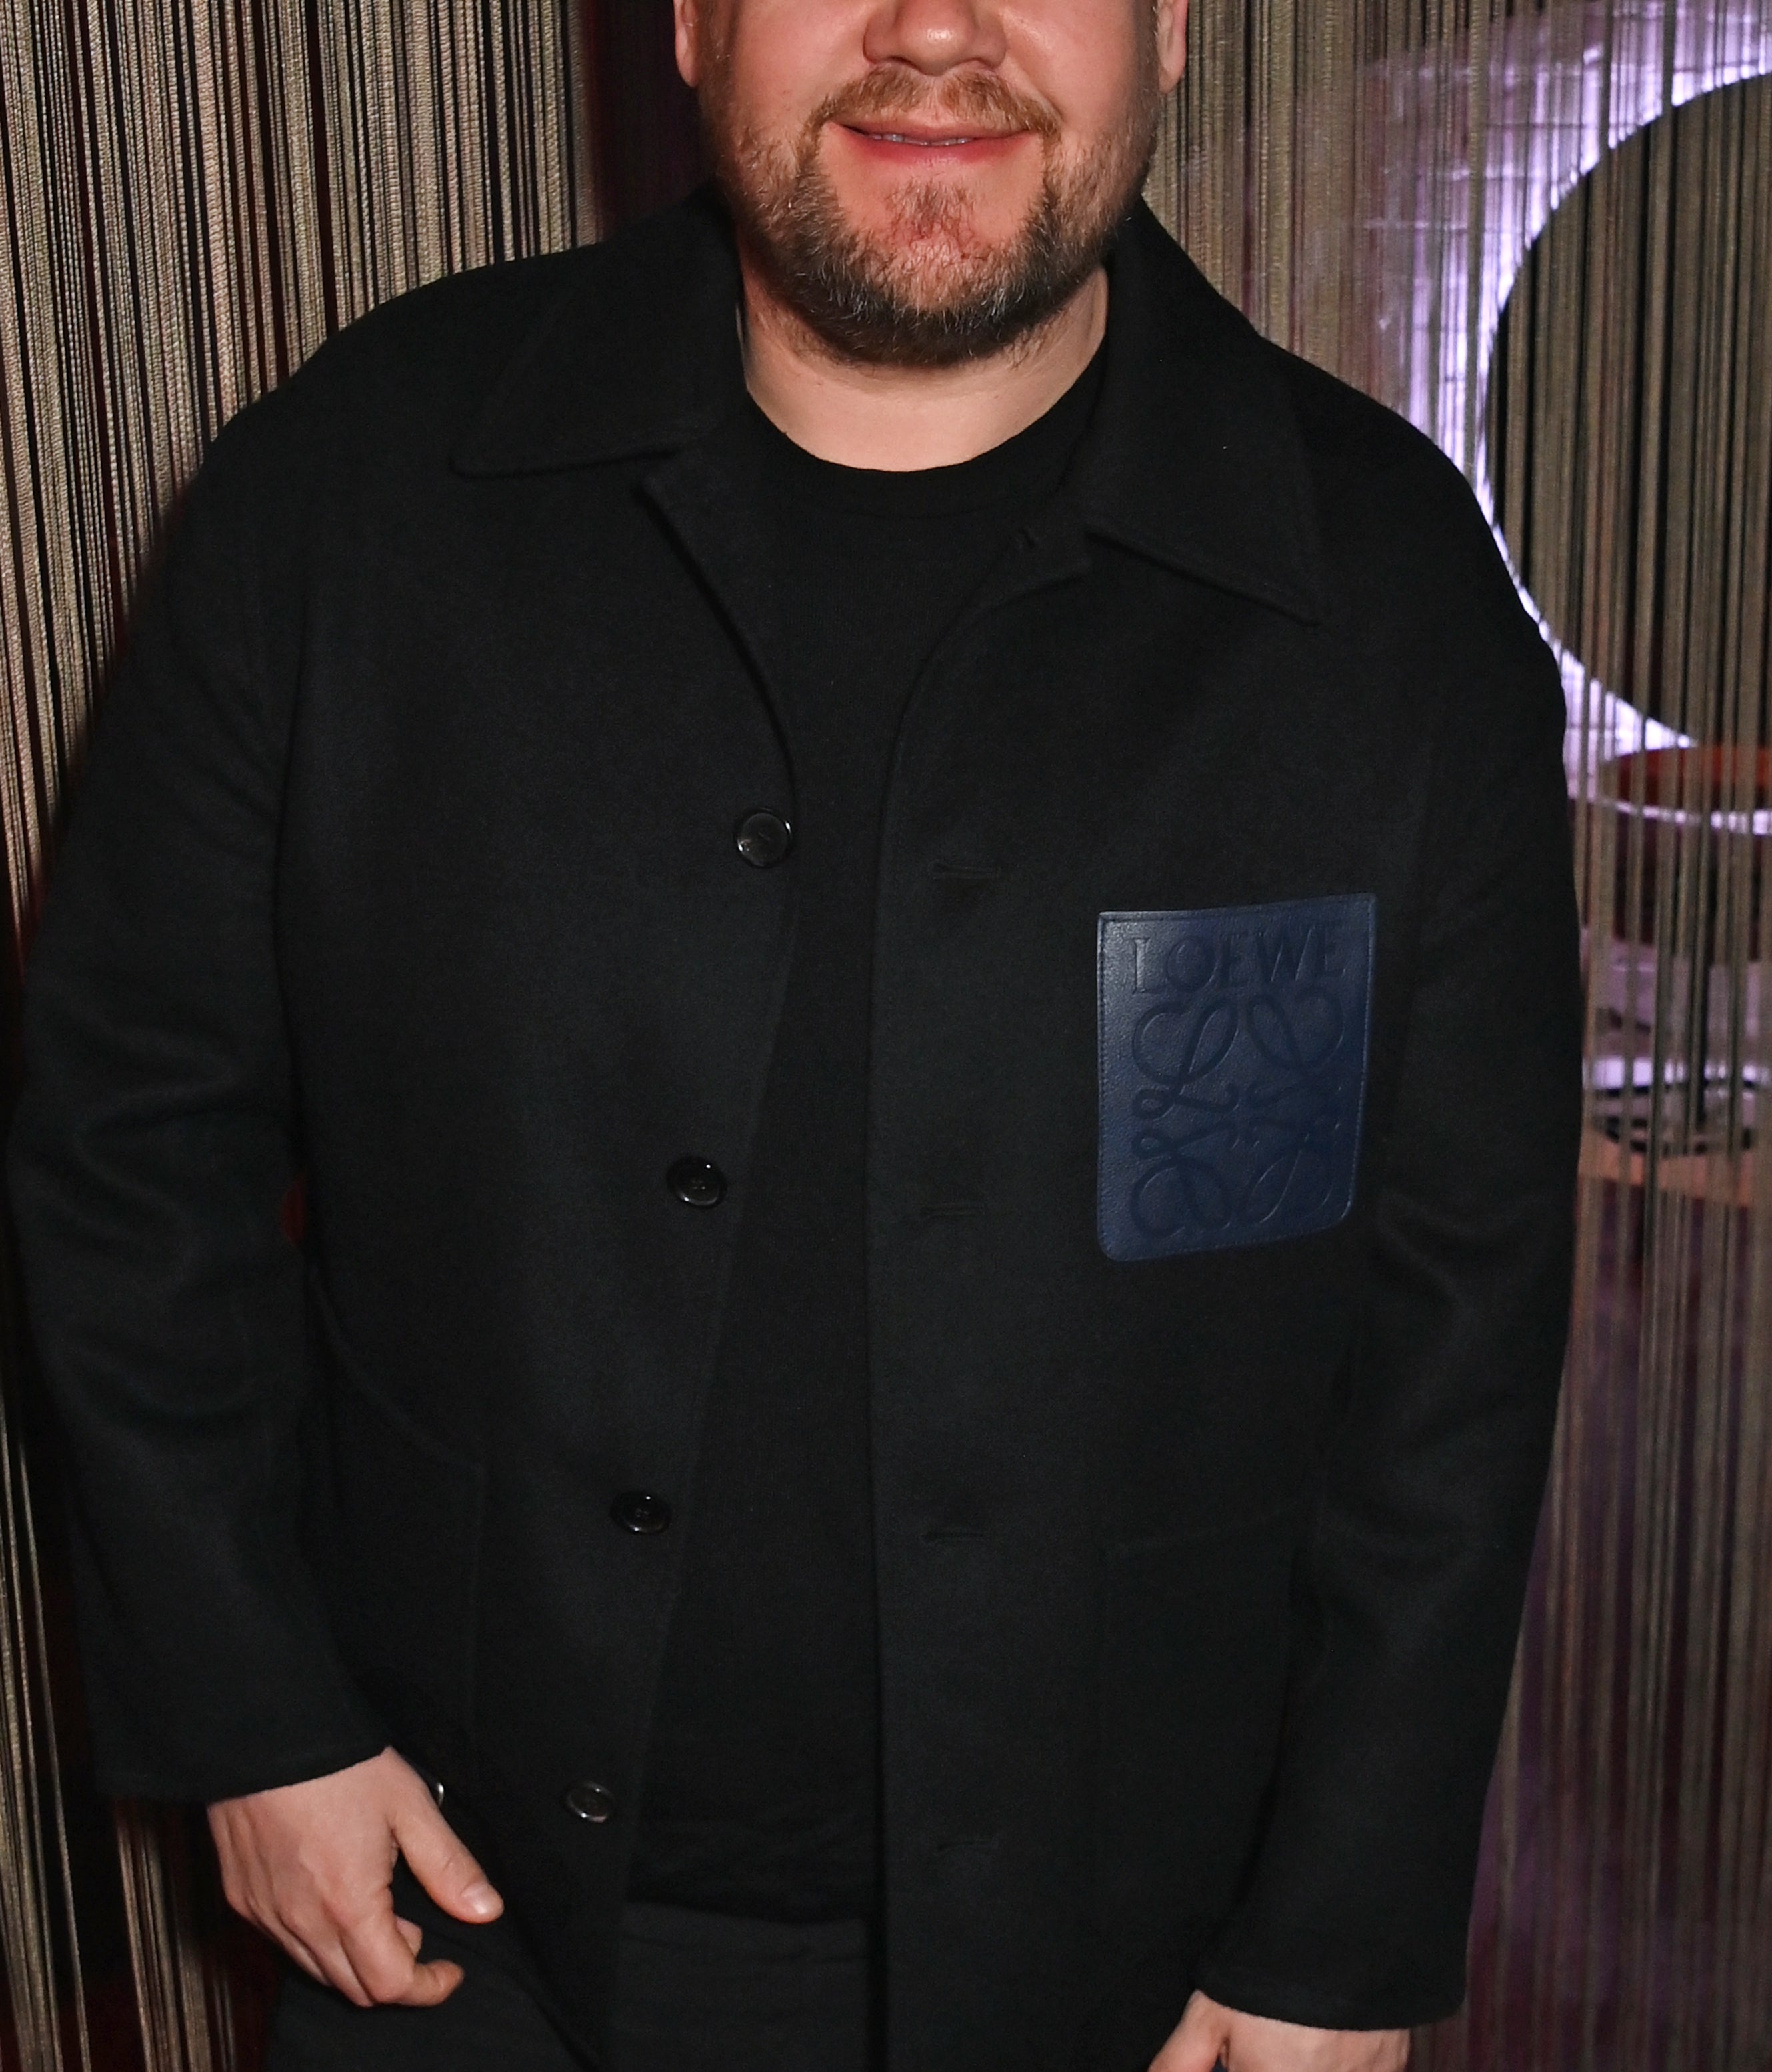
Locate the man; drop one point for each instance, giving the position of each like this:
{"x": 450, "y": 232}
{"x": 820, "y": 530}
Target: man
{"x": 907, "y": 906}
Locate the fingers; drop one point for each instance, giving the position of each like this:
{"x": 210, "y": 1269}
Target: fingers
{"x": 431, "y": 1984}
{"x": 361, "y": 1951}
{"x": 1199, "y": 2043}
{"x": 307, "y": 1938}
{"x": 310, "y": 1865}
{"x": 348, "y": 1941}
{"x": 371, "y": 1963}
{"x": 381, "y": 1954}
{"x": 438, "y": 1858}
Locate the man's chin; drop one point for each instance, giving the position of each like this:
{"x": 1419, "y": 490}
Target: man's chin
{"x": 933, "y": 266}
{"x": 935, "y": 222}
{"x": 943, "y": 297}
{"x": 929, "y": 274}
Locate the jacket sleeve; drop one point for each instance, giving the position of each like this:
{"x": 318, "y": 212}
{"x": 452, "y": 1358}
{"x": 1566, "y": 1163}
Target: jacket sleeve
{"x": 1409, "y": 1592}
{"x": 154, "y": 1141}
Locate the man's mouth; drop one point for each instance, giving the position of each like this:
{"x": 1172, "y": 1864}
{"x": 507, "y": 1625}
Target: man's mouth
{"x": 905, "y": 142}
{"x": 942, "y": 141}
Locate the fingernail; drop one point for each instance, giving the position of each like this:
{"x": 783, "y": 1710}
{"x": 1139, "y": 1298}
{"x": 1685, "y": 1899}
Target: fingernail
{"x": 480, "y": 1899}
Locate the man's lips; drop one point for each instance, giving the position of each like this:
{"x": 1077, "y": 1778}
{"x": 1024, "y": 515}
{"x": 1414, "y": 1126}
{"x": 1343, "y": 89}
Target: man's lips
{"x": 916, "y": 133}
{"x": 911, "y": 140}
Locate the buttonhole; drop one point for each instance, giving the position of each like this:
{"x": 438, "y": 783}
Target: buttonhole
{"x": 936, "y": 1534}
{"x": 951, "y": 1212}
{"x": 964, "y": 874}
{"x": 967, "y": 1842}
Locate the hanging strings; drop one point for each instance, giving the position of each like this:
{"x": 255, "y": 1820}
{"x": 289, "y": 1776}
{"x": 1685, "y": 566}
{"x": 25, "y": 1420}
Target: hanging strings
{"x": 1639, "y": 484}
{"x": 194, "y": 194}
{"x": 1545, "y": 236}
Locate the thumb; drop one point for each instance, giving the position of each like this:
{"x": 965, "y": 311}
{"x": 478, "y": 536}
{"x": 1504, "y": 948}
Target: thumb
{"x": 1199, "y": 2043}
{"x": 440, "y": 1862}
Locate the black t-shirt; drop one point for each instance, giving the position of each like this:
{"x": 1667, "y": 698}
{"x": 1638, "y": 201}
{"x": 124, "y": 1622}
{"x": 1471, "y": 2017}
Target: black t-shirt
{"x": 762, "y": 1792}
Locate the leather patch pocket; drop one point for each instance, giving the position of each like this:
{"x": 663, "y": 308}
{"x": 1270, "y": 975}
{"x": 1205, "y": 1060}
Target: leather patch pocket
{"x": 1232, "y": 1071}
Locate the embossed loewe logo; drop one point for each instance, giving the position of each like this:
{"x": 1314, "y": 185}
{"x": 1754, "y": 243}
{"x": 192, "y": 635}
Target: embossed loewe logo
{"x": 1233, "y": 1049}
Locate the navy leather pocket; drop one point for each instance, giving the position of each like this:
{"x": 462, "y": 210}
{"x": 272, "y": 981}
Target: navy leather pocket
{"x": 1233, "y": 1044}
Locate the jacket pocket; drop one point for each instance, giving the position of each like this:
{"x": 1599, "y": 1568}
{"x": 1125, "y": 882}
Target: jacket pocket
{"x": 1195, "y": 1637}
{"x": 402, "y": 1520}
{"x": 1232, "y": 1054}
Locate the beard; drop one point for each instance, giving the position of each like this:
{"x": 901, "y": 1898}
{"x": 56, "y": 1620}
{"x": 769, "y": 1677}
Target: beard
{"x": 932, "y": 292}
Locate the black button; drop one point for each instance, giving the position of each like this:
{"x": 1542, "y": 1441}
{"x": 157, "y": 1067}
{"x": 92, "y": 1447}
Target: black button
{"x": 638, "y": 1510}
{"x": 763, "y": 838}
{"x": 595, "y": 1802}
{"x": 696, "y": 1180}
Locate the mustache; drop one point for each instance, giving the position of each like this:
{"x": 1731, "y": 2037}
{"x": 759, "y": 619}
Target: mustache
{"x": 975, "y": 100}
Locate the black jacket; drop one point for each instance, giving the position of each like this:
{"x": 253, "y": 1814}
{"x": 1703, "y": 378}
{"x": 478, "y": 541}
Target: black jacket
{"x": 1209, "y": 1439}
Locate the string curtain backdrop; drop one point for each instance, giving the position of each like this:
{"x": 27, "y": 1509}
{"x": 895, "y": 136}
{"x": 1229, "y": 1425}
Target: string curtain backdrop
{"x": 1543, "y": 234}
{"x": 196, "y": 194}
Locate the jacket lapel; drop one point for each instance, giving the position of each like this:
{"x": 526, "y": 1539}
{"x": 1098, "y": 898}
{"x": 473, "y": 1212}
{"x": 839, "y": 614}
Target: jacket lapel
{"x": 701, "y": 496}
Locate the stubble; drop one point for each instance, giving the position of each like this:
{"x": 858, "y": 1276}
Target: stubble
{"x": 933, "y": 291}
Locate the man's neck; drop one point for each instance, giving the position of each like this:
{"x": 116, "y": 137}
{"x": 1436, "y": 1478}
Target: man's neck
{"x": 901, "y": 419}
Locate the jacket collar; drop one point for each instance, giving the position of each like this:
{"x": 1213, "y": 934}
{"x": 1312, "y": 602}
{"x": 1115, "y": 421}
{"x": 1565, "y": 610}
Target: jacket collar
{"x": 1193, "y": 460}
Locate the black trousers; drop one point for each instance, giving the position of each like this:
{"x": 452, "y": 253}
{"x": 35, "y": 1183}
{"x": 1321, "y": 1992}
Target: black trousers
{"x": 696, "y": 1993}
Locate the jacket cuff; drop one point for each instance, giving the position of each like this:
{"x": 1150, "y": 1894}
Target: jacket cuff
{"x": 264, "y": 1771}
{"x": 1251, "y": 1992}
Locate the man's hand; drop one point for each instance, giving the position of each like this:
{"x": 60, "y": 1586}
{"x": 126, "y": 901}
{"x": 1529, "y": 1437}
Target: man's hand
{"x": 310, "y": 1864}
{"x": 1212, "y": 2035}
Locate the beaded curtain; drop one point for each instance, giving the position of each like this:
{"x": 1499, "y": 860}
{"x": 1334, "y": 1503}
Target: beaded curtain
{"x": 1543, "y": 233}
